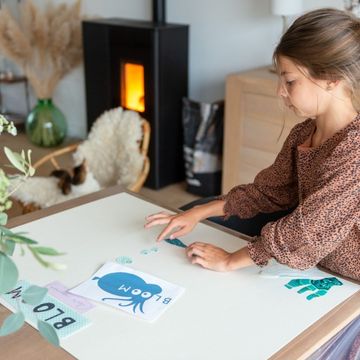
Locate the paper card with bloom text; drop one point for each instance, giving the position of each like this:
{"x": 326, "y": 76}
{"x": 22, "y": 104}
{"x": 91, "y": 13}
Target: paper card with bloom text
{"x": 64, "y": 319}
{"x": 132, "y": 291}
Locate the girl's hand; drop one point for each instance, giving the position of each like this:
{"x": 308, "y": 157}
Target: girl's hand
{"x": 178, "y": 224}
{"x": 209, "y": 256}
{"x": 215, "y": 258}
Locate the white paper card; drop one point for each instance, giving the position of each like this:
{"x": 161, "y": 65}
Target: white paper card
{"x": 276, "y": 270}
{"x": 132, "y": 291}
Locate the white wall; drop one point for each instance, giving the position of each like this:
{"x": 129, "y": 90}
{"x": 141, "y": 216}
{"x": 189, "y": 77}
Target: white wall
{"x": 225, "y": 36}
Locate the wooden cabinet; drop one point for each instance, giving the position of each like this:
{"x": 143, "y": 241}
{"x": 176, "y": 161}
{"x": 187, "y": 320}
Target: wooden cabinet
{"x": 256, "y": 125}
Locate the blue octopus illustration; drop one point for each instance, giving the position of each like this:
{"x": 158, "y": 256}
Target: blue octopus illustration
{"x": 321, "y": 287}
{"x": 131, "y": 289}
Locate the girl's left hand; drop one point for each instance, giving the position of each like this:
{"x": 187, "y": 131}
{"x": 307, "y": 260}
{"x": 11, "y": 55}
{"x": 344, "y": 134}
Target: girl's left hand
{"x": 208, "y": 256}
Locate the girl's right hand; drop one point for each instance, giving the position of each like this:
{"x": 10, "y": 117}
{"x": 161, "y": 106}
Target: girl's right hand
{"x": 178, "y": 224}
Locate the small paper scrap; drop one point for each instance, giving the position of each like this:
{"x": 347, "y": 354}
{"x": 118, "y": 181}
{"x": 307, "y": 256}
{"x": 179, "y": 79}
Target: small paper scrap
{"x": 123, "y": 260}
{"x": 60, "y": 291}
{"x": 154, "y": 249}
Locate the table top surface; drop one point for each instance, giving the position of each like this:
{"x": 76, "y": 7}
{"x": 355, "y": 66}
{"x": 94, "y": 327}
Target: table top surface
{"x": 212, "y": 304}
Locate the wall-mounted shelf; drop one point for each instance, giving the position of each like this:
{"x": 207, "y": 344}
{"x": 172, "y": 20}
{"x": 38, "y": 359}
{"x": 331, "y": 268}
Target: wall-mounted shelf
{"x": 5, "y": 80}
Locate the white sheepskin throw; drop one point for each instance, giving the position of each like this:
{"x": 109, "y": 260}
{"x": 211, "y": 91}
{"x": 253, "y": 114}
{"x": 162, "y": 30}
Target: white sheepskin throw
{"x": 112, "y": 154}
{"x": 44, "y": 192}
{"x": 112, "y": 148}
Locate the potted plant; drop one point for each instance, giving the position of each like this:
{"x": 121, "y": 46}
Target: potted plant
{"x": 10, "y": 241}
{"x": 47, "y": 45}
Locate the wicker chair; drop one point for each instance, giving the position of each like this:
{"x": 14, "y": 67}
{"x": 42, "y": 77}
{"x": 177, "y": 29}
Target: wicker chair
{"x": 54, "y": 158}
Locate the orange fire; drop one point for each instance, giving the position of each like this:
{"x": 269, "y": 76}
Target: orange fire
{"x": 133, "y": 89}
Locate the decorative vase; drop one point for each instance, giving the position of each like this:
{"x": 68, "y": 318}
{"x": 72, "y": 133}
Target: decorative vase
{"x": 46, "y": 125}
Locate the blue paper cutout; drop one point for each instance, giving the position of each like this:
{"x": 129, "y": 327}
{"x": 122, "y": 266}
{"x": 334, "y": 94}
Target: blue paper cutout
{"x": 132, "y": 289}
{"x": 318, "y": 287}
{"x": 154, "y": 249}
{"x": 176, "y": 242}
{"x": 123, "y": 260}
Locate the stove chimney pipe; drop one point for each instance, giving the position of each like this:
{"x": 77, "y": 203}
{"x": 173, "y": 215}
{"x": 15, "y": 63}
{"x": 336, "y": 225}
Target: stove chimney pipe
{"x": 159, "y": 11}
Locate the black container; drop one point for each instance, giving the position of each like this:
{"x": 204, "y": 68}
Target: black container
{"x": 203, "y": 144}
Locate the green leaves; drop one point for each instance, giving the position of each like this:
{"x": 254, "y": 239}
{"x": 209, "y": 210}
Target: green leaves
{"x": 4, "y": 191}
{"x": 34, "y": 294}
{"x": 44, "y": 263}
{"x": 46, "y": 251}
{"x": 8, "y": 240}
{"x": 9, "y": 247}
{"x": 6, "y": 125}
{"x": 8, "y": 273}
{"x": 12, "y": 323}
{"x": 5, "y": 231}
{"x": 21, "y": 163}
{"x": 20, "y": 239}
{"x": 48, "y": 332}
{"x": 15, "y": 159}
{"x": 30, "y": 168}
{"x": 3, "y": 218}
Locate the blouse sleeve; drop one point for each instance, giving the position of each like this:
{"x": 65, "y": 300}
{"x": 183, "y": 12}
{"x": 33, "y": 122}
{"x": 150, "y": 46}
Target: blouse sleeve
{"x": 317, "y": 226}
{"x": 274, "y": 188}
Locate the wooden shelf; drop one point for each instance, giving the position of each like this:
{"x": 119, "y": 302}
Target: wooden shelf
{"x": 17, "y": 118}
{"x": 255, "y": 127}
{"x": 12, "y": 80}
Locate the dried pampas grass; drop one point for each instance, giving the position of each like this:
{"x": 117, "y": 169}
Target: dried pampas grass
{"x": 45, "y": 44}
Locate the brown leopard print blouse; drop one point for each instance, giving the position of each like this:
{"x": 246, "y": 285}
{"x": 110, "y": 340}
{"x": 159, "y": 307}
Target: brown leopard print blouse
{"x": 324, "y": 184}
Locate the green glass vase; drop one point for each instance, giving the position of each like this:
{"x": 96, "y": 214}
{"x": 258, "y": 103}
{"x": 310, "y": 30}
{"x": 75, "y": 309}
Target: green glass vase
{"x": 46, "y": 124}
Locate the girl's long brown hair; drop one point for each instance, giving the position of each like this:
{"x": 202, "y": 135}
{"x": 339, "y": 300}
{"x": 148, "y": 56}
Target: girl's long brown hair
{"x": 327, "y": 43}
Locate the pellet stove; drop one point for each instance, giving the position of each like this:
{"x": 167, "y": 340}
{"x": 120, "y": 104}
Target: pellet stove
{"x": 141, "y": 66}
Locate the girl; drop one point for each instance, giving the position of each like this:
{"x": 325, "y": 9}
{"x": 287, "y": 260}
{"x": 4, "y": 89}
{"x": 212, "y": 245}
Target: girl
{"x": 315, "y": 178}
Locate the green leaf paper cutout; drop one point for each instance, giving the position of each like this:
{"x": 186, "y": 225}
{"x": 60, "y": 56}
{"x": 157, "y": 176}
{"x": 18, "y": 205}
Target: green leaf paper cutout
{"x": 3, "y": 218}
{"x": 8, "y": 273}
{"x": 12, "y": 323}
{"x": 34, "y": 294}
{"x": 48, "y": 332}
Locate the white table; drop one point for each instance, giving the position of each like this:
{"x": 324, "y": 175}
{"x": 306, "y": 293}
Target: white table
{"x": 220, "y": 316}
